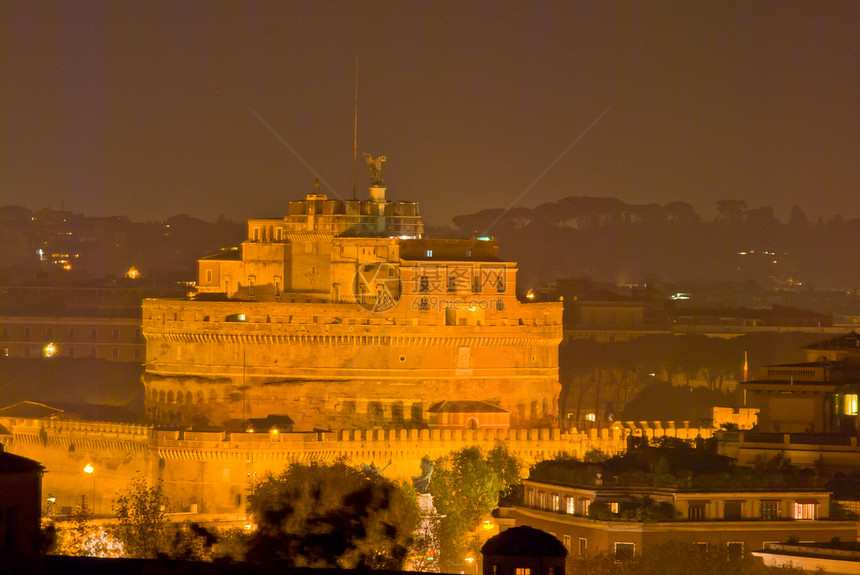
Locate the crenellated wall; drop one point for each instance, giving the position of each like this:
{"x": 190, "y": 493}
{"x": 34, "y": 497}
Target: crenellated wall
{"x": 210, "y": 472}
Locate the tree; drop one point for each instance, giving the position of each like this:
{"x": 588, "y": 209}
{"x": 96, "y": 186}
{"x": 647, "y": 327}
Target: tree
{"x": 466, "y": 487}
{"x": 82, "y": 538}
{"x": 142, "y": 518}
{"x": 332, "y": 516}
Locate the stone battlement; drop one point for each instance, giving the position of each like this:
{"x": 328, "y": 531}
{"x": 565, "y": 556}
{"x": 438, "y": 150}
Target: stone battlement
{"x": 213, "y": 470}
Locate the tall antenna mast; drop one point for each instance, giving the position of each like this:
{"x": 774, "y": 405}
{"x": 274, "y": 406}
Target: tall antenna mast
{"x": 355, "y": 133}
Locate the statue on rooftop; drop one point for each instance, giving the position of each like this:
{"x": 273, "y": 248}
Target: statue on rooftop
{"x": 375, "y": 168}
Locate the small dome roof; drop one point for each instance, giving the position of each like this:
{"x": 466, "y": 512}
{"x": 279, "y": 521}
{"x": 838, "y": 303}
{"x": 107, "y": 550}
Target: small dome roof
{"x": 524, "y": 540}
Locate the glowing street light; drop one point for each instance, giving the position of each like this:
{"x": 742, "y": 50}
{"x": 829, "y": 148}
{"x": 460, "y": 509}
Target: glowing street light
{"x": 91, "y": 470}
{"x": 50, "y": 350}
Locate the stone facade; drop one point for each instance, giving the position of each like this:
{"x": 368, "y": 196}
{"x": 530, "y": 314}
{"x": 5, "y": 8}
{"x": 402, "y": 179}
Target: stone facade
{"x": 211, "y": 472}
{"x": 344, "y": 316}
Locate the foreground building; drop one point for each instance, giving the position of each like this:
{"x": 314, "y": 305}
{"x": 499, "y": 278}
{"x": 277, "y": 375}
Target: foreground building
{"x": 623, "y": 508}
{"x": 343, "y": 315}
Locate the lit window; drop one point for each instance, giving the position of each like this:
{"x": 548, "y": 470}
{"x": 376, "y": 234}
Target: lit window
{"x": 805, "y": 510}
{"x": 566, "y": 542}
{"x": 614, "y": 506}
{"x": 556, "y": 503}
{"x": 851, "y": 404}
{"x": 429, "y": 253}
{"x": 590, "y": 417}
{"x": 571, "y": 505}
{"x": 523, "y": 571}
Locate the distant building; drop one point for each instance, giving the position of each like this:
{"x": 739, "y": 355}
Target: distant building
{"x": 76, "y": 322}
{"x": 817, "y": 396}
{"x": 343, "y": 315}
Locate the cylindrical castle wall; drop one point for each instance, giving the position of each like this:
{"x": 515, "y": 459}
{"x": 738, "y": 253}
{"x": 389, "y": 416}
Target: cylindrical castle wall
{"x": 328, "y": 365}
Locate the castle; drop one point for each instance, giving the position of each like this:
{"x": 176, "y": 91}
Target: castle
{"x": 343, "y": 315}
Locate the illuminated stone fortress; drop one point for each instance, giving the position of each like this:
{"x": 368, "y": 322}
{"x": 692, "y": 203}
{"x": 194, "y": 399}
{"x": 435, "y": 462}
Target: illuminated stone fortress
{"x": 342, "y": 315}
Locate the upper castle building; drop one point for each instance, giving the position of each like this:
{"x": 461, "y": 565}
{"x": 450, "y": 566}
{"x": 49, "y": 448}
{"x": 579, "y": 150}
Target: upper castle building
{"x": 343, "y": 315}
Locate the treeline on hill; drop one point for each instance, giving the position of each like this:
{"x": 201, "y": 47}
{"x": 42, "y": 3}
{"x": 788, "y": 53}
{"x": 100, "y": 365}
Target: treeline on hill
{"x": 609, "y": 377}
{"x": 106, "y": 247}
{"x": 607, "y": 239}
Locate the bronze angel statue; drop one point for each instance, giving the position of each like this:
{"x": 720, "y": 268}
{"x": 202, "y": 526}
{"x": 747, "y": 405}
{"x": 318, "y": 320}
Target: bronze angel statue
{"x": 375, "y": 168}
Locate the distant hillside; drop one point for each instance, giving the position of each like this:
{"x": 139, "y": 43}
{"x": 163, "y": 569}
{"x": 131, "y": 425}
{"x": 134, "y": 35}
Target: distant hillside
{"x": 609, "y": 240}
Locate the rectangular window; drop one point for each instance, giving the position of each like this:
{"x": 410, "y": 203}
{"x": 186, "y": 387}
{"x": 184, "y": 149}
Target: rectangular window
{"x": 26, "y": 333}
{"x": 523, "y": 571}
{"x": 735, "y": 550}
{"x": 805, "y": 510}
{"x": 452, "y": 283}
{"x": 114, "y": 353}
{"x": 49, "y": 333}
{"x": 851, "y": 404}
{"x": 570, "y": 505}
{"x": 556, "y": 502}
{"x": 71, "y": 333}
{"x": 115, "y": 334}
{"x": 566, "y": 541}
{"x": 614, "y": 507}
{"x": 770, "y": 510}
{"x": 733, "y": 510}
{"x": 208, "y": 276}
{"x": 93, "y": 333}
{"x": 696, "y": 512}
{"x": 624, "y": 550}
{"x": 702, "y": 547}
{"x": 583, "y": 546}
{"x": 5, "y": 332}
{"x": 429, "y": 253}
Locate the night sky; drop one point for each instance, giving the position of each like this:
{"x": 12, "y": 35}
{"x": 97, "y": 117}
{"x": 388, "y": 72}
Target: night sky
{"x": 151, "y": 109}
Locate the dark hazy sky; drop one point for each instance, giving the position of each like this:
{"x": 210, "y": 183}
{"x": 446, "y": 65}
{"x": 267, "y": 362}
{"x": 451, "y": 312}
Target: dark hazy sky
{"x": 151, "y": 109}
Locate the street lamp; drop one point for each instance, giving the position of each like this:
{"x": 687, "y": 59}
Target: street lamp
{"x": 471, "y": 560}
{"x": 91, "y": 470}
